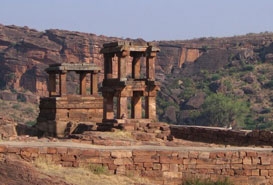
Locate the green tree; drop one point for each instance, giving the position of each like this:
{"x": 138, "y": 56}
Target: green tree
{"x": 221, "y": 110}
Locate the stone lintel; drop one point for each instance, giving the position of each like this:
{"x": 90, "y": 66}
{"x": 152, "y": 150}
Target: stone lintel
{"x": 135, "y": 82}
{"x": 115, "y": 47}
{"x": 139, "y": 85}
{"x": 87, "y": 67}
{"x": 151, "y": 50}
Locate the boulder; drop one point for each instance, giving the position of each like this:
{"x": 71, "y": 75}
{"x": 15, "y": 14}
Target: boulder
{"x": 170, "y": 114}
{"x": 194, "y": 102}
{"x": 7, "y": 128}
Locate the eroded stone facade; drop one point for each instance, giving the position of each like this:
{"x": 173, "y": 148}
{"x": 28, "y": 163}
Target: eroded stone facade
{"x": 128, "y": 93}
{"x": 61, "y": 112}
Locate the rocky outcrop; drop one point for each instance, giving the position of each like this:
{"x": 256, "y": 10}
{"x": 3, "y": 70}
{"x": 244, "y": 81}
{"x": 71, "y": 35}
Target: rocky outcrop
{"x": 7, "y": 128}
{"x": 16, "y": 171}
{"x": 25, "y": 53}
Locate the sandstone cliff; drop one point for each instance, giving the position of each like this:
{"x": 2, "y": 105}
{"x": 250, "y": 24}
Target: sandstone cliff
{"x": 25, "y": 53}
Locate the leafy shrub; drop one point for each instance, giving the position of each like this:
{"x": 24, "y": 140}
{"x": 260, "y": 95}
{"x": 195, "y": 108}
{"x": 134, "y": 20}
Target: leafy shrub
{"x": 248, "y": 68}
{"x": 215, "y": 77}
{"x": 31, "y": 123}
{"x": 228, "y": 84}
{"x": 97, "y": 169}
{"x": 221, "y": 110}
{"x": 269, "y": 85}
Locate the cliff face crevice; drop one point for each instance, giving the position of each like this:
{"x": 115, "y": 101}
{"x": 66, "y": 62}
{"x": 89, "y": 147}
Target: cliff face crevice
{"x": 25, "y": 53}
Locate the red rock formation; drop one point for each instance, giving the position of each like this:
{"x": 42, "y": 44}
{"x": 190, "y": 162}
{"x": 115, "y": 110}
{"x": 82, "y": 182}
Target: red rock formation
{"x": 25, "y": 53}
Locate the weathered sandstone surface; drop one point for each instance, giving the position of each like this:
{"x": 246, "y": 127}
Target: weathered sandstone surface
{"x": 25, "y": 53}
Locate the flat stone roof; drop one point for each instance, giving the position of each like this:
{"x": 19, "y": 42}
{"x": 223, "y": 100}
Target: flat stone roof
{"x": 128, "y": 46}
{"x": 73, "y": 67}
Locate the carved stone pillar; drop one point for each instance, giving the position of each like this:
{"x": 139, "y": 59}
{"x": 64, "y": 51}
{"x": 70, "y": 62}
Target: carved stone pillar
{"x": 122, "y": 110}
{"x": 83, "y": 83}
{"x": 62, "y": 83}
{"x": 150, "y": 107}
{"x": 108, "y": 66}
{"x": 94, "y": 83}
{"x": 150, "y": 66}
{"x": 108, "y": 106}
{"x": 122, "y": 65}
{"x": 52, "y": 84}
{"x": 136, "y": 105}
{"x": 136, "y": 66}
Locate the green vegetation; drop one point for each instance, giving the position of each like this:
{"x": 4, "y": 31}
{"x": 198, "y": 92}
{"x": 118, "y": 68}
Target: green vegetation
{"x": 269, "y": 85}
{"x": 221, "y": 110}
{"x": 97, "y": 169}
{"x": 31, "y": 123}
{"x": 215, "y": 77}
{"x": 10, "y": 77}
{"x": 206, "y": 182}
{"x": 248, "y": 68}
{"x": 189, "y": 89}
{"x": 239, "y": 94}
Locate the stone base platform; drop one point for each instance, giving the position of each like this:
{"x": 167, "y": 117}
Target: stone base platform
{"x": 59, "y": 116}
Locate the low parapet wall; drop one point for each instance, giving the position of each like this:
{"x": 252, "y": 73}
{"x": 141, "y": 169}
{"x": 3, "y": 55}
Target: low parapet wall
{"x": 222, "y": 136}
{"x": 162, "y": 165}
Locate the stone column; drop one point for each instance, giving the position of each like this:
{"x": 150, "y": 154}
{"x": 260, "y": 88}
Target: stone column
{"x": 94, "y": 83}
{"x": 108, "y": 106}
{"x": 108, "y": 66}
{"x": 62, "y": 83}
{"x": 136, "y": 105}
{"x": 150, "y": 107}
{"x": 136, "y": 66}
{"x": 122, "y": 110}
{"x": 150, "y": 66}
{"x": 52, "y": 84}
{"x": 82, "y": 83}
{"x": 122, "y": 65}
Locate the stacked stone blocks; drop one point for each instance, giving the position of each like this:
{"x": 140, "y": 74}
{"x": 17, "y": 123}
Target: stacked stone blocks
{"x": 60, "y": 113}
{"x": 161, "y": 166}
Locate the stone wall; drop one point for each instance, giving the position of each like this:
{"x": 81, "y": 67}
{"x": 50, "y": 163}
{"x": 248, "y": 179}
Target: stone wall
{"x": 223, "y": 135}
{"x": 145, "y": 130}
{"x": 60, "y": 113}
{"x": 162, "y": 165}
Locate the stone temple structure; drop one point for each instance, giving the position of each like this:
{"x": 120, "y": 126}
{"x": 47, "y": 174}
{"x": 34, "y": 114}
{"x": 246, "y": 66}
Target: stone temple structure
{"x": 62, "y": 112}
{"x": 128, "y": 90}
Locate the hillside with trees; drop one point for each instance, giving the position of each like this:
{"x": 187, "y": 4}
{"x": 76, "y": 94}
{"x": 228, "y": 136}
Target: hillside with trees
{"x": 224, "y": 82}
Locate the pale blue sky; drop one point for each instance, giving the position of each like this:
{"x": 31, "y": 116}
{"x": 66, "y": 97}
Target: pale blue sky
{"x": 147, "y": 19}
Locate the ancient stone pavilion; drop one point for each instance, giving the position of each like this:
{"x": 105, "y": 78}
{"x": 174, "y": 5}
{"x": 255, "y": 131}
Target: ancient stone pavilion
{"x": 125, "y": 86}
{"x": 62, "y": 112}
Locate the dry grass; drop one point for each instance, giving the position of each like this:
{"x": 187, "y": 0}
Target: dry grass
{"x": 20, "y": 112}
{"x": 83, "y": 176}
{"x": 118, "y": 134}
